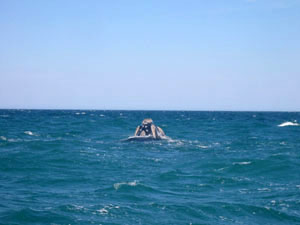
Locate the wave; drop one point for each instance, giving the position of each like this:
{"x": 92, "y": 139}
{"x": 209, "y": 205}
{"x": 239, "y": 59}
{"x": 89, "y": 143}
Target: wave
{"x": 203, "y": 146}
{"x": 107, "y": 208}
{"x": 29, "y": 133}
{"x": 147, "y": 138}
{"x": 119, "y": 185}
{"x": 289, "y": 124}
{"x": 102, "y": 211}
{"x": 72, "y": 207}
{"x": 3, "y": 138}
{"x": 241, "y": 163}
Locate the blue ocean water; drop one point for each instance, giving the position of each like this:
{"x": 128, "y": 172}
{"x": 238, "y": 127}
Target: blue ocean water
{"x": 73, "y": 167}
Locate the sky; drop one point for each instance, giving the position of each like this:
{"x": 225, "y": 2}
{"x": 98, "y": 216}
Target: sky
{"x": 150, "y": 55}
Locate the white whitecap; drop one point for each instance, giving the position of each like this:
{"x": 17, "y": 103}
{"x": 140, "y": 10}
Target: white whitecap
{"x": 203, "y": 146}
{"x": 118, "y": 185}
{"x": 29, "y": 133}
{"x": 78, "y": 207}
{"x": 288, "y": 124}
{"x": 77, "y": 113}
{"x": 264, "y": 189}
{"x": 101, "y": 115}
{"x": 105, "y": 209}
{"x": 241, "y": 163}
{"x": 14, "y": 140}
{"x": 221, "y": 169}
{"x": 155, "y": 159}
{"x": 3, "y": 138}
{"x": 102, "y": 211}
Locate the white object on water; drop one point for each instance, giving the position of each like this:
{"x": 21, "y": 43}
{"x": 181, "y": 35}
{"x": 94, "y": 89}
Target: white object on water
{"x": 288, "y": 124}
{"x": 146, "y": 138}
{"x": 132, "y": 183}
{"x": 29, "y": 133}
{"x": 141, "y": 138}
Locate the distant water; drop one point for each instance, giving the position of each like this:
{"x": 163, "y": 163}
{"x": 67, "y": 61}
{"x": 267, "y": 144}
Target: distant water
{"x": 72, "y": 167}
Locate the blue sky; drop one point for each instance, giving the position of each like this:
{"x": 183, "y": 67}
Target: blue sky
{"x": 176, "y": 55}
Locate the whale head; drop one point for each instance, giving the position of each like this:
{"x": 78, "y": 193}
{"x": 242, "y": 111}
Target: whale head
{"x": 147, "y": 121}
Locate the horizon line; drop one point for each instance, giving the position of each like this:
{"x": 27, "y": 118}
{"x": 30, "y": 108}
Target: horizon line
{"x": 171, "y": 110}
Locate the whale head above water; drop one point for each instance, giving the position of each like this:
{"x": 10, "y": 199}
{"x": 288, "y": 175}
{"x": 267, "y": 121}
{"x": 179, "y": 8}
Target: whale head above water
{"x": 149, "y": 130}
{"x": 147, "y": 121}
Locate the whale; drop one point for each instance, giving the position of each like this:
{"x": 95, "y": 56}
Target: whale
{"x": 147, "y": 131}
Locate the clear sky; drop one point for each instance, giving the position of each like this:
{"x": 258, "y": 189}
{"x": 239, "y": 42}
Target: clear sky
{"x": 176, "y": 55}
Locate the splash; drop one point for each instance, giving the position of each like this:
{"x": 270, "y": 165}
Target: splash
{"x": 289, "y": 124}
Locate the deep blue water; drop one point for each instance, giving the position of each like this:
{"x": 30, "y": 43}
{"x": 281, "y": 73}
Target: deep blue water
{"x": 72, "y": 167}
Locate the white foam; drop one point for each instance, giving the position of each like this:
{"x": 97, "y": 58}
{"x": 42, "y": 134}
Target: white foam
{"x": 105, "y": 209}
{"x": 289, "y": 124}
{"x": 155, "y": 159}
{"x": 29, "y": 133}
{"x": 241, "y": 163}
{"x": 118, "y": 185}
{"x": 75, "y": 207}
{"x": 78, "y": 207}
{"x": 77, "y": 113}
{"x": 264, "y": 189}
{"x": 101, "y": 115}
{"x": 14, "y": 140}
{"x": 170, "y": 140}
{"x": 102, "y": 211}
{"x": 3, "y": 138}
{"x": 203, "y": 146}
{"x": 243, "y": 191}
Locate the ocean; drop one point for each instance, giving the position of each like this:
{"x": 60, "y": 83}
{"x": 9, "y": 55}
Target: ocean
{"x": 75, "y": 167}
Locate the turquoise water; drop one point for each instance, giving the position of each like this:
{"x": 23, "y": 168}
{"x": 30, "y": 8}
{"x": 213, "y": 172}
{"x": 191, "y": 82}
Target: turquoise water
{"x": 72, "y": 167}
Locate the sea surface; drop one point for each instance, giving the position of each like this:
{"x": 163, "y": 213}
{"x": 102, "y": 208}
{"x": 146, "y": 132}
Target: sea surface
{"x": 75, "y": 167}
